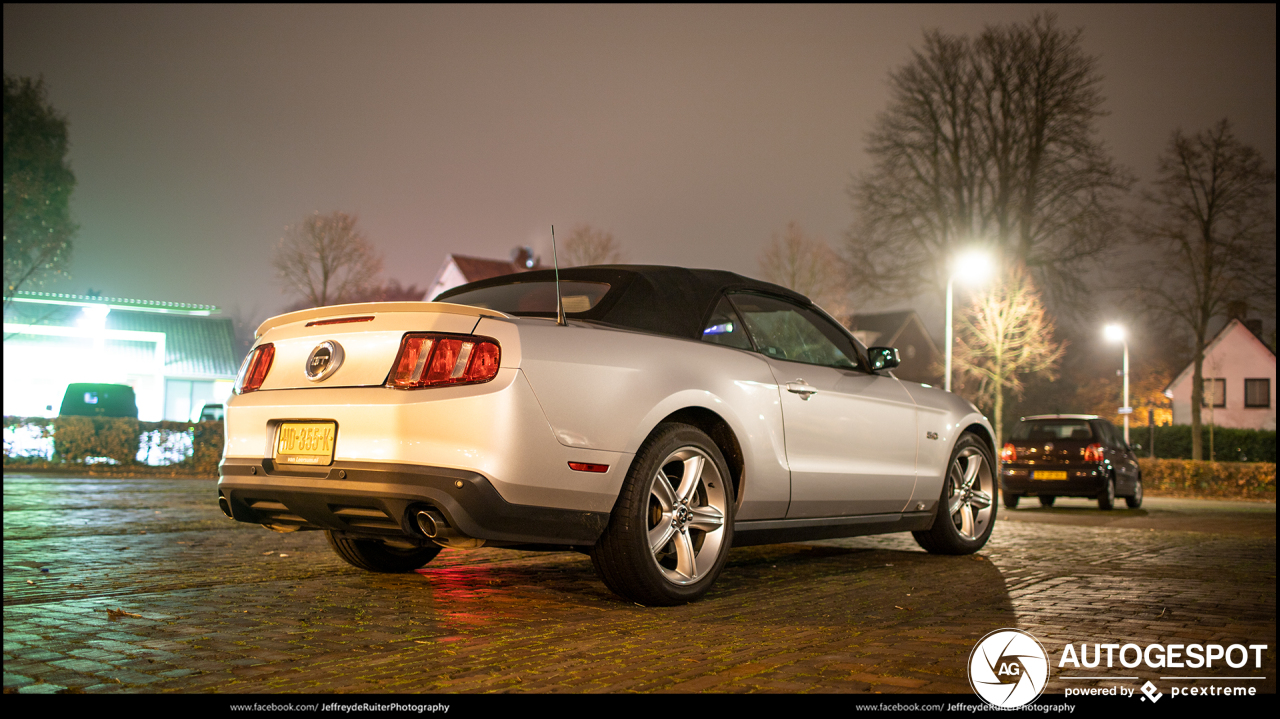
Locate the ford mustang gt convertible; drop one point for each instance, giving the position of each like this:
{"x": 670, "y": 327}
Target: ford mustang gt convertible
{"x": 651, "y": 417}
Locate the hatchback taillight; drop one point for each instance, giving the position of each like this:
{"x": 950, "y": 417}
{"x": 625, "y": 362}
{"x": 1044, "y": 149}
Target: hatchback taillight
{"x": 1008, "y": 454}
{"x": 1092, "y": 453}
{"x": 255, "y": 368}
{"x": 431, "y": 360}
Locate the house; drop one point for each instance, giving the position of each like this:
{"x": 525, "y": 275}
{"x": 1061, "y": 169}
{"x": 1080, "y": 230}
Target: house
{"x": 461, "y": 269}
{"x": 176, "y": 356}
{"x": 1240, "y": 381}
{"x": 921, "y": 360}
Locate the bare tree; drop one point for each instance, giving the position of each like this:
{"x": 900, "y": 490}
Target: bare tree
{"x": 808, "y": 266}
{"x": 588, "y": 246}
{"x": 1004, "y": 334}
{"x": 37, "y": 187}
{"x": 988, "y": 142}
{"x": 1210, "y": 225}
{"x": 326, "y": 261}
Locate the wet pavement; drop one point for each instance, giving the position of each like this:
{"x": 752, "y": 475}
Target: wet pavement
{"x": 141, "y": 585}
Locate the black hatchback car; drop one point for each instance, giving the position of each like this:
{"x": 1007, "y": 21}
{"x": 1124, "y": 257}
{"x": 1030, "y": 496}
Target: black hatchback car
{"x": 1069, "y": 455}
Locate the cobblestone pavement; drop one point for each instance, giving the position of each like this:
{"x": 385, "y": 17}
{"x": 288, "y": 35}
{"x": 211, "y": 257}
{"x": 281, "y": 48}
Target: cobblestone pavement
{"x": 143, "y": 586}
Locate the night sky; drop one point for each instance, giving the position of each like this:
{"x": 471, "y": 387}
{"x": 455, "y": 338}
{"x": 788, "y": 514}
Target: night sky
{"x": 692, "y": 133}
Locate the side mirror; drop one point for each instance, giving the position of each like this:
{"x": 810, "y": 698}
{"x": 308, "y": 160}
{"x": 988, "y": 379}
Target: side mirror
{"x": 884, "y": 358}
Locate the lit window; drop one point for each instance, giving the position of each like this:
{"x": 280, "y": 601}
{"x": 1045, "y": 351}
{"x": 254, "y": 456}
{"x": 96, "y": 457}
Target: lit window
{"x": 1215, "y": 392}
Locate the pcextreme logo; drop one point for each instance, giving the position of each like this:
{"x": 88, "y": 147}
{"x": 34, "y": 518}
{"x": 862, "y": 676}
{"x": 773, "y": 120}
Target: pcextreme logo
{"x": 1008, "y": 668}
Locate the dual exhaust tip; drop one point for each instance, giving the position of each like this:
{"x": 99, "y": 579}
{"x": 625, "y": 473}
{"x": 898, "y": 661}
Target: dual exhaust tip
{"x": 431, "y": 522}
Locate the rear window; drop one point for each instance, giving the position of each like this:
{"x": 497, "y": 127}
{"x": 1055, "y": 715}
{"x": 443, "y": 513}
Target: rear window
{"x": 532, "y": 298}
{"x": 1036, "y": 430}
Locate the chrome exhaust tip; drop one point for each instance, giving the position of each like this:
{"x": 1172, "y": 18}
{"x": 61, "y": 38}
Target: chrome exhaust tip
{"x": 225, "y": 506}
{"x": 431, "y": 523}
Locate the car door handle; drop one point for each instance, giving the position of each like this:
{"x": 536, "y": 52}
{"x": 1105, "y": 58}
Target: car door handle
{"x": 802, "y": 388}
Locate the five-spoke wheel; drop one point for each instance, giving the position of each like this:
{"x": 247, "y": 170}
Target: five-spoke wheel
{"x": 687, "y": 506}
{"x": 968, "y": 510}
{"x": 671, "y": 529}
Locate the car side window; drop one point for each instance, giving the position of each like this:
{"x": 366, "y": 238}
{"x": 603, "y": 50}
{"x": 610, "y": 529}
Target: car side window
{"x": 790, "y": 332}
{"x": 724, "y": 327}
{"x": 1109, "y": 434}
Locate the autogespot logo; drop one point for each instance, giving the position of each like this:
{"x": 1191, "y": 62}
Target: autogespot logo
{"x": 1008, "y": 668}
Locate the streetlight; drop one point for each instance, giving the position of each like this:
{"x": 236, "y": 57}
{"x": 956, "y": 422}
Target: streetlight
{"x": 972, "y": 266}
{"x": 1116, "y": 333}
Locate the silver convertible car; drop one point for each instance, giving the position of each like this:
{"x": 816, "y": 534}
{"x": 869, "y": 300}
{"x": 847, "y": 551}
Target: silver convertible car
{"x": 652, "y": 417}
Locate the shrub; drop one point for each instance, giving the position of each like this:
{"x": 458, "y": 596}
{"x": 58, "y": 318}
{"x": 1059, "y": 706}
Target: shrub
{"x": 130, "y": 445}
{"x": 1226, "y": 480}
{"x": 1229, "y": 444}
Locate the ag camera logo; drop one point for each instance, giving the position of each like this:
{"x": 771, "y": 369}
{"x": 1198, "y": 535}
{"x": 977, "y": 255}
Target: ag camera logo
{"x": 1008, "y": 668}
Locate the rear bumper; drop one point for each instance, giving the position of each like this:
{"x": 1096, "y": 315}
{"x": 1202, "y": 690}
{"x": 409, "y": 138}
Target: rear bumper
{"x": 380, "y": 500}
{"x": 1081, "y": 481}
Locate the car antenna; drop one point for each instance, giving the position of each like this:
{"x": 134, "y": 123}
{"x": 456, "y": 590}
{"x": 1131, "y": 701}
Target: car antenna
{"x": 555, "y": 261}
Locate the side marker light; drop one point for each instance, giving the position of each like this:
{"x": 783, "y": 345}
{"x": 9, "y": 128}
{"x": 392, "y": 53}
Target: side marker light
{"x": 584, "y": 467}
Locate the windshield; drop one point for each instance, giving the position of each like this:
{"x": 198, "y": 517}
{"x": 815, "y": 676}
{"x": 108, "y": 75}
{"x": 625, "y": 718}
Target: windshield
{"x": 532, "y": 298}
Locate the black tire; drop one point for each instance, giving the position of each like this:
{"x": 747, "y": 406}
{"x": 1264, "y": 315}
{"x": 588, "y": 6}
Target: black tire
{"x": 1135, "y": 500}
{"x": 1010, "y": 500}
{"x": 1046, "y": 500}
{"x": 696, "y": 528}
{"x": 1107, "y": 497}
{"x": 967, "y": 489}
{"x": 374, "y": 556}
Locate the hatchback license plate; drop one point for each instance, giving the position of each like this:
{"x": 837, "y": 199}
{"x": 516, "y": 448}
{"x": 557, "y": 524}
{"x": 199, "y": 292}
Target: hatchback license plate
{"x": 1041, "y": 474}
{"x": 306, "y": 442}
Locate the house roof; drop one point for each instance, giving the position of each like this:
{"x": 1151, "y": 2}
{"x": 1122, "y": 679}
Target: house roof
{"x": 888, "y": 326}
{"x": 475, "y": 269}
{"x": 1212, "y": 345}
{"x": 195, "y": 345}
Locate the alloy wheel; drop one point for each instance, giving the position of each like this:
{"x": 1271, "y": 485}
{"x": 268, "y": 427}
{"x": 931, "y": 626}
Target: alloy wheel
{"x": 686, "y": 516}
{"x": 971, "y": 490}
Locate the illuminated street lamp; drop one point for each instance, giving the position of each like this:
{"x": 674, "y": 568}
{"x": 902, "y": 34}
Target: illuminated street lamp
{"x": 973, "y": 266}
{"x": 1116, "y": 333}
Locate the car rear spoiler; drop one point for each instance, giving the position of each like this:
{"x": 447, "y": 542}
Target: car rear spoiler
{"x": 374, "y": 308}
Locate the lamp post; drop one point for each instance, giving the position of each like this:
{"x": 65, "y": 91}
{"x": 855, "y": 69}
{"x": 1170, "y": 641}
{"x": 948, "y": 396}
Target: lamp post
{"x": 1116, "y": 333}
{"x": 973, "y": 266}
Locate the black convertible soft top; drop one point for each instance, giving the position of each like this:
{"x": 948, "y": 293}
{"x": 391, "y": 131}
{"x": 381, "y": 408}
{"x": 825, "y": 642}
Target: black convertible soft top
{"x": 651, "y": 298}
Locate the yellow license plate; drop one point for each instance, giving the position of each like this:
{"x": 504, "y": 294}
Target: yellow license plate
{"x": 1041, "y": 474}
{"x": 305, "y": 442}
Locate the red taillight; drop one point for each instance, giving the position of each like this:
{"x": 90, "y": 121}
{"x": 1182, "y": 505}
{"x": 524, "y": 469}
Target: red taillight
{"x": 255, "y": 368}
{"x": 1008, "y": 454}
{"x": 435, "y": 360}
{"x": 1092, "y": 453}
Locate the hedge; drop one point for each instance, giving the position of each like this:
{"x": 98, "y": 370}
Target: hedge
{"x": 1229, "y": 445}
{"x": 113, "y": 445}
{"x": 1222, "y": 480}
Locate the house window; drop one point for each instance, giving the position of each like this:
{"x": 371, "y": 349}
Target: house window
{"x": 1215, "y": 392}
{"x": 1257, "y": 392}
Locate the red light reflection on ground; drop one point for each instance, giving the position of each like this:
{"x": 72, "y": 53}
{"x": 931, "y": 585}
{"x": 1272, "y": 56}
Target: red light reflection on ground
{"x": 470, "y": 597}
